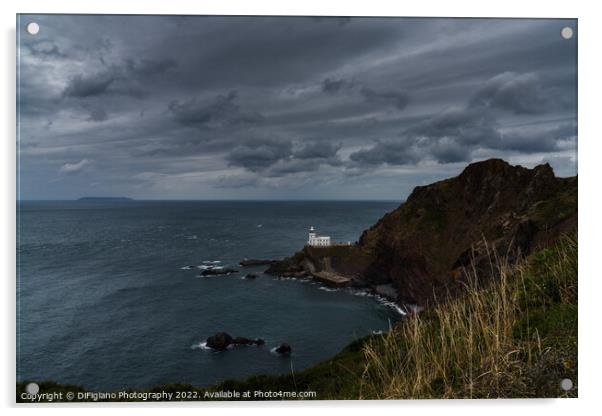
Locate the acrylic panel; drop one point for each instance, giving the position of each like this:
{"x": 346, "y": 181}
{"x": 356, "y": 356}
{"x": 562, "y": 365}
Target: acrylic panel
{"x": 295, "y": 207}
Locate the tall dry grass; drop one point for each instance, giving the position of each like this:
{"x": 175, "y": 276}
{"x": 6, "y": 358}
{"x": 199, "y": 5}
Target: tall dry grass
{"x": 478, "y": 345}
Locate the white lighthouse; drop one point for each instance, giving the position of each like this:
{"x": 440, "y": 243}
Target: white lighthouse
{"x": 315, "y": 240}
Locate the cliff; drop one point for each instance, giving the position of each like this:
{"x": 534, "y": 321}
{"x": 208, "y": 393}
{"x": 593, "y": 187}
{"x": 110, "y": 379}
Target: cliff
{"x": 422, "y": 247}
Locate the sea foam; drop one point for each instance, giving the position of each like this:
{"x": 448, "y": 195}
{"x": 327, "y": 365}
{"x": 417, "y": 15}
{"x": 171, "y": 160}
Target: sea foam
{"x": 201, "y": 346}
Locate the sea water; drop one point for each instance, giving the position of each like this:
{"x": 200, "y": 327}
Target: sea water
{"x": 105, "y": 298}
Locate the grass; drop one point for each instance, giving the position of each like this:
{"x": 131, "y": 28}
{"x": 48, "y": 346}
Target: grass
{"x": 513, "y": 338}
{"x": 517, "y": 337}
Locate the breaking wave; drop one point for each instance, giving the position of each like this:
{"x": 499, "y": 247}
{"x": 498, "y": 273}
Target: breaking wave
{"x": 201, "y": 346}
{"x": 357, "y": 292}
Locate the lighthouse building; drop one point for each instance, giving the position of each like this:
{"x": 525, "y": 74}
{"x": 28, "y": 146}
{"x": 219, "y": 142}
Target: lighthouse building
{"x": 316, "y": 240}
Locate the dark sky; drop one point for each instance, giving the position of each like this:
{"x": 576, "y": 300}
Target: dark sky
{"x": 158, "y": 107}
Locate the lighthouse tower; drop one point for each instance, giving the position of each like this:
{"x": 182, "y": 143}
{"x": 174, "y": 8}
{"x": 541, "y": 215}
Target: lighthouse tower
{"x": 312, "y": 235}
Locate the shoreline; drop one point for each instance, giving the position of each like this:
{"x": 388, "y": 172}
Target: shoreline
{"x": 330, "y": 281}
{"x": 367, "y": 291}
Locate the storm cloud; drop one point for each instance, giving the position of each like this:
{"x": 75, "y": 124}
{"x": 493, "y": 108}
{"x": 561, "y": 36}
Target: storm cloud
{"x": 516, "y": 93}
{"x": 89, "y": 86}
{"x": 398, "y": 99}
{"x": 259, "y": 154}
{"x": 219, "y": 111}
{"x": 287, "y": 107}
{"x": 333, "y": 86}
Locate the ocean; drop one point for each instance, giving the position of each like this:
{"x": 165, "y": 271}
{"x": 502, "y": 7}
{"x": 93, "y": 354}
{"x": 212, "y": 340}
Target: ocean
{"x": 105, "y": 300}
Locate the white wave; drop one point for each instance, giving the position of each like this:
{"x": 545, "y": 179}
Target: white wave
{"x": 297, "y": 279}
{"x": 328, "y": 289}
{"x": 201, "y": 345}
{"x": 211, "y": 261}
{"x": 273, "y": 351}
{"x": 209, "y": 267}
{"x": 190, "y": 237}
{"x": 390, "y": 304}
{"x": 187, "y": 267}
{"x": 293, "y": 279}
{"x": 380, "y": 299}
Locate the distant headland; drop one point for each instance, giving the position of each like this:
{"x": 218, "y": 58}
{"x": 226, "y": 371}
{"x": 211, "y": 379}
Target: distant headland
{"x": 104, "y": 198}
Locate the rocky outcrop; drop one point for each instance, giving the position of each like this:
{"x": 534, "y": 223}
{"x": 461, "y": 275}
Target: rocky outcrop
{"x": 222, "y": 340}
{"x": 421, "y": 248}
{"x": 255, "y": 262}
{"x": 247, "y": 341}
{"x": 283, "y": 349}
{"x": 219, "y": 341}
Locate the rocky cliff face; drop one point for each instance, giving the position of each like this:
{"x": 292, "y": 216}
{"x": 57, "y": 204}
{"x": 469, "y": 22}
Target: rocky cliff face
{"x": 421, "y": 247}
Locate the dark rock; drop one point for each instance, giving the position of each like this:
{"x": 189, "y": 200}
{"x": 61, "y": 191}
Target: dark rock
{"x": 288, "y": 265}
{"x": 297, "y": 274}
{"x": 217, "y": 271}
{"x": 525, "y": 232}
{"x": 242, "y": 341}
{"x": 219, "y": 341}
{"x": 251, "y": 276}
{"x": 357, "y": 283}
{"x": 283, "y": 349}
{"x": 222, "y": 340}
{"x": 256, "y": 262}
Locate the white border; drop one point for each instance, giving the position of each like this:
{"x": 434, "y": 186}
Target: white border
{"x": 590, "y": 22}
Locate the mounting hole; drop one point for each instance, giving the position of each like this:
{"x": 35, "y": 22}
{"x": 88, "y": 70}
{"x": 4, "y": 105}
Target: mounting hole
{"x": 33, "y": 28}
{"x": 566, "y": 384}
{"x": 566, "y": 32}
{"x": 32, "y": 388}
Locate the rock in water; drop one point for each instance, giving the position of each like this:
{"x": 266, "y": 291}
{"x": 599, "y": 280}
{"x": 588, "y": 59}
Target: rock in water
{"x": 283, "y": 349}
{"x": 251, "y": 276}
{"x": 218, "y": 272}
{"x": 242, "y": 341}
{"x": 256, "y": 262}
{"x": 219, "y": 341}
{"x": 248, "y": 341}
{"x": 222, "y": 340}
